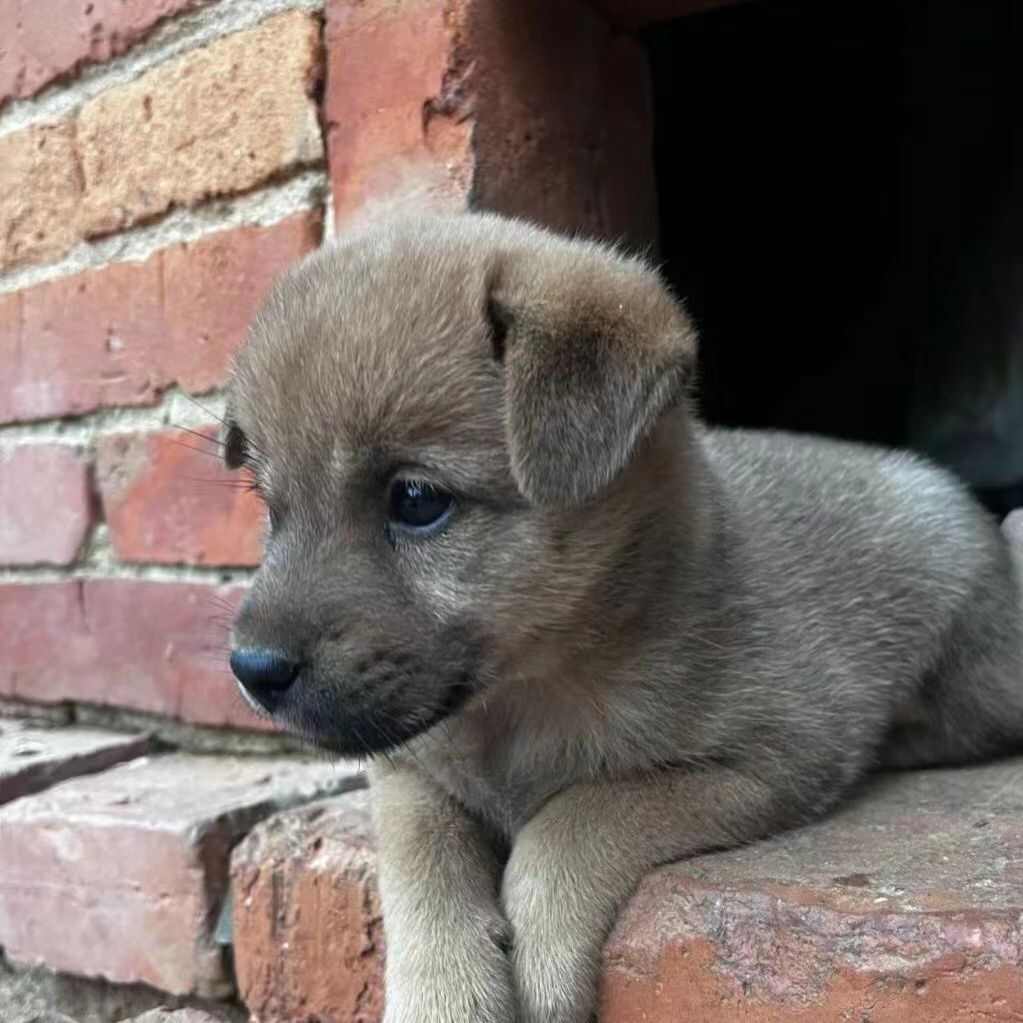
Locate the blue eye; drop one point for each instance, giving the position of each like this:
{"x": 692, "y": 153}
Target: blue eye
{"x": 418, "y": 505}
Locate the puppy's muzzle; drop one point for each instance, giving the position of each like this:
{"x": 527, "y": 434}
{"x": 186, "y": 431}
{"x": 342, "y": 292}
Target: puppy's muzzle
{"x": 265, "y": 674}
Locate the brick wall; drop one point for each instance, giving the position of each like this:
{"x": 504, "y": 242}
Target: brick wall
{"x": 160, "y": 162}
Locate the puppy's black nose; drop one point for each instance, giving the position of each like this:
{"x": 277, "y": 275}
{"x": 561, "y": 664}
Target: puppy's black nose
{"x": 265, "y": 674}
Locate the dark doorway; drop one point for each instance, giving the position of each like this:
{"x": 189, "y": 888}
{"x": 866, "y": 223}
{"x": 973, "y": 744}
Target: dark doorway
{"x": 841, "y": 206}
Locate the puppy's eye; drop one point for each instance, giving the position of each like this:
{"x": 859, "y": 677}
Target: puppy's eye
{"x": 419, "y": 506}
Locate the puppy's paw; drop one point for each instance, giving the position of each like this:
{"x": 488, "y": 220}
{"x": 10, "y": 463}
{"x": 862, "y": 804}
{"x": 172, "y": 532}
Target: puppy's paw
{"x": 462, "y": 978}
{"x": 557, "y": 939}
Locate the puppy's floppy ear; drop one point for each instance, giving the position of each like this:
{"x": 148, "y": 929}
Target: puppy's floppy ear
{"x": 595, "y": 349}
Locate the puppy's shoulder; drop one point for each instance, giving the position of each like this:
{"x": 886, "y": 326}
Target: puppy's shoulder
{"x": 849, "y": 497}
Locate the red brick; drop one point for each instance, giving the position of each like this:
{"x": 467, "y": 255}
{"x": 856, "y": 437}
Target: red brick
{"x": 219, "y": 120}
{"x": 122, "y": 334}
{"x": 40, "y": 193}
{"x": 150, "y": 646}
{"x": 528, "y": 109}
{"x": 378, "y": 147}
{"x": 42, "y": 639}
{"x": 33, "y": 758}
{"x": 167, "y": 498}
{"x": 905, "y": 906}
{"x": 213, "y": 288}
{"x": 88, "y": 341}
{"x": 304, "y": 880}
{"x": 47, "y": 505}
{"x": 48, "y": 39}
{"x": 122, "y": 875}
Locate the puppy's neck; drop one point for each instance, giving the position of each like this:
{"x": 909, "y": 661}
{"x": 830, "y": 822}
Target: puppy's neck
{"x": 647, "y": 536}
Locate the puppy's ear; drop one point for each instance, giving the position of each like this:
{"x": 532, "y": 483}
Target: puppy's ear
{"x": 595, "y": 349}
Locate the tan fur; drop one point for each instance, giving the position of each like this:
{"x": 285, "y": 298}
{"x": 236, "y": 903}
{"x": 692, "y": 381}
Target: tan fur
{"x": 633, "y": 640}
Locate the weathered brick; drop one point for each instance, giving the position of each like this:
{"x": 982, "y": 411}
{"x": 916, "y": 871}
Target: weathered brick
{"x": 42, "y": 638}
{"x": 529, "y": 109}
{"x": 217, "y": 120}
{"x": 49, "y": 39}
{"x": 167, "y": 498}
{"x": 304, "y": 880}
{"x": 378, "y": 145}
{"x": 122, "y": 334}
{"x": 33, "y": 758}
{"x": 150, "y": 646}
{"x": 40, "y": 193}
{"x": 179, "y": 1016}
{"x": 213, "y": 288}
{"x": 47, "y": 504}
{"x": 87, "y": 340}
{"x": 122, "y": 874}
{"x": 905, "y": 906}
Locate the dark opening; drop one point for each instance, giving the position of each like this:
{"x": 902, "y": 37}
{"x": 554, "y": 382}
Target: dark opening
{"x": 841, "y": 207}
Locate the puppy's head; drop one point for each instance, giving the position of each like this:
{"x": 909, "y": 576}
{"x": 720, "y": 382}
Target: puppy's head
{"x": 442, "y": 416}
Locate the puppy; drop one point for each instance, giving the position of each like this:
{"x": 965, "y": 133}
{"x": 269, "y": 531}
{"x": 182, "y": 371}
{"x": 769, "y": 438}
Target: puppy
{"x": 577, "y": 633}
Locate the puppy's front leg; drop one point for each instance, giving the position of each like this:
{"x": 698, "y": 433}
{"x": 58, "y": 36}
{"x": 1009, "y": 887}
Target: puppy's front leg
{"x": 446, "y": 935}
{"x": 575, "y": 863}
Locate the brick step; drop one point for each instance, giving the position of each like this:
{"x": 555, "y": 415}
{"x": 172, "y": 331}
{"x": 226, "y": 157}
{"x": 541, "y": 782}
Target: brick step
{"x": 180, "y": 1016}
{"x": 122, "y": 875}
{"x": 33, "y": 756}
{"x": 905, "y": 905}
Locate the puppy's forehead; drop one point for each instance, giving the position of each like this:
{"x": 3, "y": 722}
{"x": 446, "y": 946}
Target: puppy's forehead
{"x": 381, "y": 341}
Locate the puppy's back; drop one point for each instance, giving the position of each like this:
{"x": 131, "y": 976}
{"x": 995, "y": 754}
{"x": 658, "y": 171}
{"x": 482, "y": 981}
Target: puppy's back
{"x": 875, "y": 549}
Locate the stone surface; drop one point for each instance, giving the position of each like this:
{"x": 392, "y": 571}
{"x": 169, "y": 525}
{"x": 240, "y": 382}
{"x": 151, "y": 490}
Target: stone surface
{"x": 122, "y": 334}
{"x": 905, "y": 905}
{"x": 122, "y": 875}
{"x": 49, "y": 39}
{"x": 528, "y": 109}
{"x": 219, "y": 119}
{"x": 151, "y": 646}
{"x": 308, "y": 936}
{"x": 168, "y": 498}
{"x": 47, "y": 505}
{"x": 33, "y": 758}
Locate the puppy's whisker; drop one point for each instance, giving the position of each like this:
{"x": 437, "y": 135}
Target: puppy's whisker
{"x": 201, "y": 451}
{"x": 198, "y": 433}
{"x": 223, "y": 422}
{"x": 245, "y": 486}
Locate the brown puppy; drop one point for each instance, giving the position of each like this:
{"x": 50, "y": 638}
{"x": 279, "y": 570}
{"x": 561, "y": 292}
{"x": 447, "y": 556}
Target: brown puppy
{"x": 590, "y": 635}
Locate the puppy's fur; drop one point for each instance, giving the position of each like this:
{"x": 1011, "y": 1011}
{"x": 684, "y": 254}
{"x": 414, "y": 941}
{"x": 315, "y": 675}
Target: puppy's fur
{"x": 635, "y": 639}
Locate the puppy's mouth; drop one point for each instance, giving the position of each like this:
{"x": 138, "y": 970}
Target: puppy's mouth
{"x": 377, "y": 731}
{"x": 322, "y": 720}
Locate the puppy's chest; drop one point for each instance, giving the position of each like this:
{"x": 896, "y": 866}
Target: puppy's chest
{"x": 502, "y": 772}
